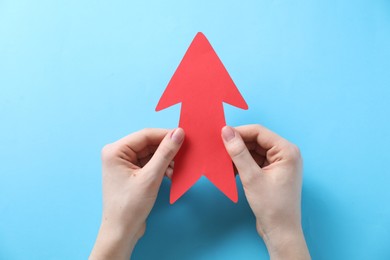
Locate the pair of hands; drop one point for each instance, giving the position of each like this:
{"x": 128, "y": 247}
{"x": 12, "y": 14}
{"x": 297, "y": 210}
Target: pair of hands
{"x": 269, "y": 166}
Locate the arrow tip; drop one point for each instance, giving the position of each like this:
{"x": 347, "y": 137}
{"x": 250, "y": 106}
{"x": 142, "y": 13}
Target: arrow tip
{"x": 173, "y": 199}
{"x": 200, "y": 34}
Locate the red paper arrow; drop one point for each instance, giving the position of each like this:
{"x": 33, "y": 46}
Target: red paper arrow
{"x": 201, "y": 83}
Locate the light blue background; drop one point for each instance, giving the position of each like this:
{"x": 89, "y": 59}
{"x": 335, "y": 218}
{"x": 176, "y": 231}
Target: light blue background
{"x": 75, "y": 75}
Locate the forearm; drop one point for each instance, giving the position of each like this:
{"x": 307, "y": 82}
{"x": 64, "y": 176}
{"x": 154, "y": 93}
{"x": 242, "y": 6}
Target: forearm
{"x": 287, "y": 244}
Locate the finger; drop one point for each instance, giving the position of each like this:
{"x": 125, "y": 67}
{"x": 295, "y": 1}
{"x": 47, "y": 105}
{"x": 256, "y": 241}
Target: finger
{"x": 276, "y": 148}
{"x": 236, "y": 148}
{"x": 169, "y": 172}
{"x": 147, "y": 152}
{"x": 263, "y": 136}
{"x": 140, "y": 140}
{"x": 254, "y": 147}
{"x": 166, "y": 151}
{"x": 259, "y": 159}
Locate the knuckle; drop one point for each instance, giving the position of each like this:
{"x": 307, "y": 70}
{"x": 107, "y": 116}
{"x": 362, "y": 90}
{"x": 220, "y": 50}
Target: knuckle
{"x": 105, "y": 151}
{"x": 250, "y": 178}
{"x": 257, "y": 127}
{"x": 237, "y": 149}
{"x": 108, "y": 153}
{"x": 293, "y": 152}
{"x": 146, "y": 130}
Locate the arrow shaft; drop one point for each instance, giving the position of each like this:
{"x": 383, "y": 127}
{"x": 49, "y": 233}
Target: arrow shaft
{"x": 200, "y": 128}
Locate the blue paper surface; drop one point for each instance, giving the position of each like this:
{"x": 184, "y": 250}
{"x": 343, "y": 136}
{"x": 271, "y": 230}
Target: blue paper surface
{"x": 75, "y": 75}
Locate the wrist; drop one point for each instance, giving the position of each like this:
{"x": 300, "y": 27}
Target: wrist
{"x": 286, "y": 243}
{"x": 115, "y": 241}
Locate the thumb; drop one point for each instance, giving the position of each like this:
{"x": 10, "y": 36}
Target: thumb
{"x": 241, "y": 157}
{"x": 165, "y": 152}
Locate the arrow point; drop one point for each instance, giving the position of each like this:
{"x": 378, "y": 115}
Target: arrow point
{"x": 221, "y": 174}
{"x": 200, "y": 34}
{"x": 234, "y": 198}
{"x": 184, "y": 175}
{"x": 173, "y": 199}
{"x": 231, "y": 194}
{"x": 178, "y": 191}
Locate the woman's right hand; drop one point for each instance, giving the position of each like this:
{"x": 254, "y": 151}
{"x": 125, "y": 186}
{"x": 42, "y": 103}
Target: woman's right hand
{"x": 270, "y": 169}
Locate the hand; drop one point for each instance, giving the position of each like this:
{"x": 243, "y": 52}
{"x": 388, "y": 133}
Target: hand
{"x": 133, "y": 169}
{"x": 270, "y": 169}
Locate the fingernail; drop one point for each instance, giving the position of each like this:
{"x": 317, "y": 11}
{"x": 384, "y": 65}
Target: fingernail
{"x": 178, "y": 135}
{"x": 228, "y": 133}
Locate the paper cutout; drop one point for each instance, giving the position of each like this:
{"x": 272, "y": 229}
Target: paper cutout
{"x": 201, "y": 83}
